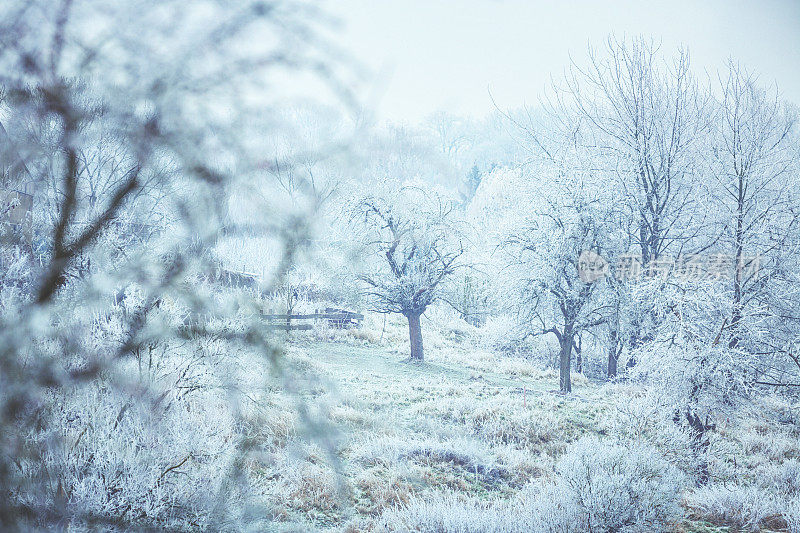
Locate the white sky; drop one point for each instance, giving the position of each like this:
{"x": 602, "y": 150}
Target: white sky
{"x": 429, "y": 55}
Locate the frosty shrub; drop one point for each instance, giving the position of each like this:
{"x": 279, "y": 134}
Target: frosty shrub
{"x": 696, "y": 376}
{"x": 744, "y": 507}
{"x": 646, "y": 416}
{"x": 700, "y": 383}
{"x": 129, "y": 458}
{"x": 501, "y": 333}
{"x": 611, "y": 487}
{"x": 598, "y": 486}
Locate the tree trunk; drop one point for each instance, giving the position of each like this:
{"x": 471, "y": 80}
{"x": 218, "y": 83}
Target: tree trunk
{"x": 613, "y": 354}
{"x": 700, "y": 443}
{"x": 565, "y": 360}
{"x": 415, "y": 336}
{"x": 736, "y": 312}
{"x": 614, "y": 348}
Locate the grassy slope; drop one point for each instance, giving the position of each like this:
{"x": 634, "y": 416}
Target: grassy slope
{"x": 460, "y": 421}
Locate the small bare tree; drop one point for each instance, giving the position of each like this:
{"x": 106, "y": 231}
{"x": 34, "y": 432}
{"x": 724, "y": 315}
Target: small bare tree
{"x": 411, "y": 247}
{"x": 554, "y": 296}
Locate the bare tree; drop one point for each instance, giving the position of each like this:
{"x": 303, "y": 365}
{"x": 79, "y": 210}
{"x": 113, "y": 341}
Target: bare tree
{"x": 753, "y": 161}
{"x": 648, "y": 118}
{"x": 545, "y": 255}
{"x": 121, "y": 94}
{"x": 412, "y": 247}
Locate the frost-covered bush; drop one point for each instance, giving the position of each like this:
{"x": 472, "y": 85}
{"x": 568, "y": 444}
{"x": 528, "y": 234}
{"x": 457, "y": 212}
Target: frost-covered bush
{"x": 130, "y": 460}
{"x": 710, "y": 380}
{"x": 501, "y": 333}
{"x": 448, "y": 324}
{"x": 597, "y": 486}
{"x": 614, "y": 487}
{"x": 745, "y": 507}
{"x": 638, "y": 414}
{"x": 700, "y": 384}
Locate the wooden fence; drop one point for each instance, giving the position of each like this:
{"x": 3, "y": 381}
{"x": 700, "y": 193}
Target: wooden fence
{"x": 336, "y": 318}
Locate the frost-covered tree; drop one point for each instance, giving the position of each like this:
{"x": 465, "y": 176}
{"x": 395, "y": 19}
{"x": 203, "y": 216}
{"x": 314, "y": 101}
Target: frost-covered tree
{"x": 647, "y": 116}
{"x": 411, "y": 245}
{"x": 689, "y": 372}
{"x": 755, "y": 165}
{"x": 109, "y": 102}
{"x": 544, "y": 253}
{"x": 646, "y": 119}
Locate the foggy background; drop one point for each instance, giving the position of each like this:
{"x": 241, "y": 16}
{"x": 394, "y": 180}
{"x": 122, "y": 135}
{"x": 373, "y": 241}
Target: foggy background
{"x": 429, "y": 55}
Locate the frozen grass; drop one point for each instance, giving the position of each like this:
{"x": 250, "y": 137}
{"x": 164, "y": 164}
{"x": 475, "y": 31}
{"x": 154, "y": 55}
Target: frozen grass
{"x": 465, "y": 422}
{"x": 597, "y": 486}
{"x": 355, "y": 439}
{"x": 474, "y": 440}
{"x": 744, "y": 507}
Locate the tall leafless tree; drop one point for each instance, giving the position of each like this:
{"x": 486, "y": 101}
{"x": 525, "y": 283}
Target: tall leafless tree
{"x": 753, "y": 161}
{"x": 648, "y": 117}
